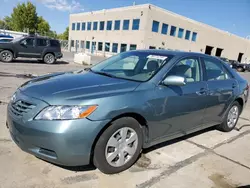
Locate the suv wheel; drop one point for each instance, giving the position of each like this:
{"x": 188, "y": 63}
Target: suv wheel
{"x": 119, "y": 146}
{"x": 6, "y": 56}
{"x": 49, "y": 58}
{"x": 240, "y": 69}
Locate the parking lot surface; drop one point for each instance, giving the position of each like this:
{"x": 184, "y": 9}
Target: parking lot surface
{"x": 207, "y": 159}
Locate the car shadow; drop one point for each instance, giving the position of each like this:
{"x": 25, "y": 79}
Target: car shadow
{"x": 83, "y": 168}
{"x": 245, "y": 186}
{"x": 34, "y": 61}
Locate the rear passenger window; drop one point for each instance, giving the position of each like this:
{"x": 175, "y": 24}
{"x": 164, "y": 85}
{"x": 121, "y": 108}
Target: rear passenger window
{"x": 42, "y": 42}
{"x": 188, "y": 68}
{"x": 215, "y": 71}
{"x": 54, "y": 43}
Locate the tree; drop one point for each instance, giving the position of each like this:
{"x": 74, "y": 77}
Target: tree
{"x": 64, "y": 35}
{"x": 43, "y": 26}
{"x": 5, "y": 23}
{"x": 24, "y": 17}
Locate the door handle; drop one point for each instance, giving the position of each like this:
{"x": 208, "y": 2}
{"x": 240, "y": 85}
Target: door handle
{"x": 234, "y": 85}
{"x": 202, "y": 91}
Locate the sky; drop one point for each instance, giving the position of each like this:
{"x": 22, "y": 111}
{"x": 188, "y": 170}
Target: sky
{"x": 229, "y": 15}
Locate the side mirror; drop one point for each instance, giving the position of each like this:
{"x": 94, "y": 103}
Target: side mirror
{"x": 174, "y": 81}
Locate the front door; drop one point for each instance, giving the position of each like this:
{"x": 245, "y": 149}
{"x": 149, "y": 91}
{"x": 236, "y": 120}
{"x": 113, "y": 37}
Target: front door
{"x": 26, "y": 48}
{"x": 221, "y": 91}
{"x": 180, "y": 109}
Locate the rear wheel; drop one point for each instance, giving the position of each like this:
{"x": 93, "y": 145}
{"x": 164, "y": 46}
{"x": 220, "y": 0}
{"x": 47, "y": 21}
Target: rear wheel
{"x": 119, "y": 146}
{"x": 6, "y": 56}
{"x": 240, "y": 69}
{"x": 49, "y": 58}
{"x": 231, "y": 118}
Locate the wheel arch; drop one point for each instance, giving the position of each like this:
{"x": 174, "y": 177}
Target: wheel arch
{"x": 138, "y": 117}
{"x": 241, "y": 102}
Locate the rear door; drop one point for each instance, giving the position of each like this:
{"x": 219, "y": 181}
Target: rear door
{"x": 41, "y": 44}
{"x": 221, "y": 90}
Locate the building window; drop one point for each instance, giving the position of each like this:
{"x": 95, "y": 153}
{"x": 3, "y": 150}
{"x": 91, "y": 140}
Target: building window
{"x": 123, "y": 47}
{"x": 173, "y": 31}
{"x": 164, "y": 29}
{"x": 78, "y": 25}
{"x": 132, "y": 47}
{"x": 95, "y": 25}
{"x": 82, "y": 44}
{"x": 155, "y": 26}
{"x": 89, "y": 26}
{"x": 87, "y": 45}
{"x": 125, "y": 24}
{"x": 117, "y": 24}
{"x": 102, "y": 25}
{"x": 73, "y": 26}
{"x": 100, "y": 46}
{"x": 115, "y": 47}
{"x": 151, "y": 47}
{"x": 180, "y": 33}
{"x": 109, "y": 25}
{"x": 72, "y": 43}
{"x": 93, "y": 46}
{"x": 136, "y": 24}
{"x": 107, "y": 46}
{"x": 194, "y": 36}
{"x": 83, "y": 26}
{"x": 187, "y": 36}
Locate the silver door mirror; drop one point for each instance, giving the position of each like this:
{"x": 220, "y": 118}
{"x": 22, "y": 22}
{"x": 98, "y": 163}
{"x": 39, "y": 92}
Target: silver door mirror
{"x": 174, "y": 81}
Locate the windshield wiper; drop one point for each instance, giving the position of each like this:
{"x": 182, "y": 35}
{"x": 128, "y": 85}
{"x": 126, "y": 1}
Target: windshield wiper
{"x": 104, "y": 73}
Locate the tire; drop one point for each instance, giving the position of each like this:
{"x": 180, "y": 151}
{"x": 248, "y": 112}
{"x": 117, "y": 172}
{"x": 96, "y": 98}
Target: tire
{"x": 105, "y": 148}
{"x": 6, "y": 56}
{"x": 226, "y": 126}
{"x": 49, "y": 58}
{"x": 240, "y": 69}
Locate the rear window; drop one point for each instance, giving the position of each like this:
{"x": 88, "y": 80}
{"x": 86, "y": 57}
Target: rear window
{"x": 54, "y": 43}
{"x": 42, "y": 42}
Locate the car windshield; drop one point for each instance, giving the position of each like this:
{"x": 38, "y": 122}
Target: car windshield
{"x": 133, "y": 65}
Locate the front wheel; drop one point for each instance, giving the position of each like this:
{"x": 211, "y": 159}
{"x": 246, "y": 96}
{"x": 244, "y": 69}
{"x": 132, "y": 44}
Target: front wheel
{"x": 49, "y": 58}
{"x": 231, "y": 118}
{"x": 6, "y": 56}
{"x": 119, "y": 146}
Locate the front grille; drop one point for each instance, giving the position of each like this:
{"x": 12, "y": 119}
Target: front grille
{"x": 21, "y": 107}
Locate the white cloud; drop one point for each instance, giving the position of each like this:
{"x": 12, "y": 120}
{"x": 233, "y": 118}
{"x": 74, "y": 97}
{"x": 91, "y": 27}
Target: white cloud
{"x": 62, "y": 5}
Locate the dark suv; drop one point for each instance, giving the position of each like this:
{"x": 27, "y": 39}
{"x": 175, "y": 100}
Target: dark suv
{"x": 42, "y": 48}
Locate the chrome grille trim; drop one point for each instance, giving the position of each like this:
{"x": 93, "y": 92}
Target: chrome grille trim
{"x": 21, "y": 107}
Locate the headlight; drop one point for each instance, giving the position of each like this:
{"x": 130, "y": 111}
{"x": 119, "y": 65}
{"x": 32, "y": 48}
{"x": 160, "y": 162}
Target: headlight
{"x": 65, "y": 112}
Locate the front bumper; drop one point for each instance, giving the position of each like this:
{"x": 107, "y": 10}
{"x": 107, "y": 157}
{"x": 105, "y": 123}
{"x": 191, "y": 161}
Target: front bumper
{"x": 67, "y": 143}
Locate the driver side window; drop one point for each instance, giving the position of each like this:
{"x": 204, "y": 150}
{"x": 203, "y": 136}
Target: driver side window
{"x": 28, "y": 41}
{"x": 188, "y": 68}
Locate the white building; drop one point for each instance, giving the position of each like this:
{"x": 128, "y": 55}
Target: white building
{"x": 111, "y": 31}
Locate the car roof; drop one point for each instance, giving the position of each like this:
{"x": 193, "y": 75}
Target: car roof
{"x": 175, "y": 53}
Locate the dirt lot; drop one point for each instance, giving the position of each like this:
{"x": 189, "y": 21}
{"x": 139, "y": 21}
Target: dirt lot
{"x": 208, "y": 159}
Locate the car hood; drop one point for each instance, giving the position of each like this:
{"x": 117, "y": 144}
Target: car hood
{"x": 74, "y": 87}
{"x": 4, "y": 45}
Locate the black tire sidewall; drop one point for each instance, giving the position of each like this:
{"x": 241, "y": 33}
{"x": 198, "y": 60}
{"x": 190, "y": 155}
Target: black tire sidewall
{"x": 100, "y": 147}
{"x": 46, "y": 61}
{"x": 4, "y": 51}
{"x": 224, "y": 126}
